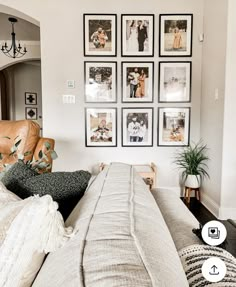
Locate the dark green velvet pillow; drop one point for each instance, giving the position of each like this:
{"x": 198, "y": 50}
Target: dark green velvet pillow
{"x": 16, "y": 176}
{"x": 66, "y": 188}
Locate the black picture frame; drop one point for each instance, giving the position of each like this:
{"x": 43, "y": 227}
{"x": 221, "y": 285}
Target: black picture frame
{"x": 100, "y": 82}
{"x": 144, "y": 90}
{"x": 175, "y": 38}
{"x": 136, "y": 41}
{"x": 30, "y": 98}
{"x": 31, "y": 113}
{"x": 98, "y": 133}
{"x": 140, "y": 137}
{"x": 100, "y": 35}
{"x": 176, "y": 132}
{"x": 175, "y": 82}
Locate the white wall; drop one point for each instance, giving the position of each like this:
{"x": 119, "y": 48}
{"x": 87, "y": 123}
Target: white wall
{"x": 212, "y": 108}
{"x": 228, "y": 202}
{"x": 24, "y": 30}
{"x": 25, "y": 77}
{"x": 62, "y": 59}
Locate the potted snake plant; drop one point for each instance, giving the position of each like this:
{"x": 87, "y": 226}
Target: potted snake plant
{"x": 192, "y": 161}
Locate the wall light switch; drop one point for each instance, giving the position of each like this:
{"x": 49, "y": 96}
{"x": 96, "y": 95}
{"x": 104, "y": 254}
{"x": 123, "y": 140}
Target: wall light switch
{"x": 68, "y": 99}
{"x": 71, "y": 84}
{"x": 201, "y": 37}
{"x": 216, "y": 94}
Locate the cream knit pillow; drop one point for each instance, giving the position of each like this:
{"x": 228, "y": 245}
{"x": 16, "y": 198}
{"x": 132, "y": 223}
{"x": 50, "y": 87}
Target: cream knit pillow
{"x": 29, "y": 229}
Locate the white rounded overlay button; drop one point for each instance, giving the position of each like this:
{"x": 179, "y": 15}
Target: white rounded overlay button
{"x": 214, "y": 233}
{"x": 214, "y": 269}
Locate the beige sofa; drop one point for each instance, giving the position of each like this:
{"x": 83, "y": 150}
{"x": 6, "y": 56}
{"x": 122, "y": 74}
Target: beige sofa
{"x": 121, "y": 237}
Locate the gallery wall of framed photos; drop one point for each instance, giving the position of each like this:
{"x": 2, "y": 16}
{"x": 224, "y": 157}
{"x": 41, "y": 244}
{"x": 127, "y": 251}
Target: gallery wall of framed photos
{"x": 127, "y": 100}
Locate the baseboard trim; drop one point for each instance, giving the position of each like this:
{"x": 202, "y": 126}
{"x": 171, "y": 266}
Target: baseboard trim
{"x": 227, "y": 213}
{"x": 210, "y": 204}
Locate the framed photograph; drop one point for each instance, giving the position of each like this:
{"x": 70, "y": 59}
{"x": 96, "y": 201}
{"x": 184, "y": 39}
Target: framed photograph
{"x": 137, "y": 127}
{"x": 100, "y": 82}
{"x": 173, "y": 126}
{"x": 31, "y": 113}
{"x": 175, "y": 82}
{"x": 101, "y": 127}
{"x": 30, "y": 98}
{"x": 100, "y": 36}
{"x": 137, "y": 35}
{"x": 137, "y": 82}
{"x": 175, "y": 37}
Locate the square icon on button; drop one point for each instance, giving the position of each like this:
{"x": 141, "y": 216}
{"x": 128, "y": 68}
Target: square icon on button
{"x": 214, "y": 232}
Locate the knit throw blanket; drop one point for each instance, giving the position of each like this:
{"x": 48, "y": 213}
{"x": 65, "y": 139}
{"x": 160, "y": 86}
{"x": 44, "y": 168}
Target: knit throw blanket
{"x": 193, "y": 257}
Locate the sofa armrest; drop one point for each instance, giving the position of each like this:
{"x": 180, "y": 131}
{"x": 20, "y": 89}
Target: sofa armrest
{"x": 41, "y": 146}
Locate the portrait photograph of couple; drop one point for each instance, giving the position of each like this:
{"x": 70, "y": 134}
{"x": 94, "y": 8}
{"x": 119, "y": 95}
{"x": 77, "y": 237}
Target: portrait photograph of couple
{"x": 137, "y": 127}
{"x": 176, "y": 35}
{"x": 99, "y": 35}
{"x": 137, "y": 35}
{"x": 137, "y": 82}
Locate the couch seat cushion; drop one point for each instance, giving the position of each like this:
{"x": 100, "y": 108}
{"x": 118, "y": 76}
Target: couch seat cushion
{"x": 121, "y": 239}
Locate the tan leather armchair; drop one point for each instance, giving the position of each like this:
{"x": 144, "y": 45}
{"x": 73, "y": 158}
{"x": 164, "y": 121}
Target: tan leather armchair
{"x": 29, "y": 133}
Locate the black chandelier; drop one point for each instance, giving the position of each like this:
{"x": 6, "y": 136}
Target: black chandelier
{"x": 14, "y": 51}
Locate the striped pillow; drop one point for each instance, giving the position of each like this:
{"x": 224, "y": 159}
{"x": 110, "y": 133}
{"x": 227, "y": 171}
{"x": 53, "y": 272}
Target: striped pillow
{"x": 193, "y": 257}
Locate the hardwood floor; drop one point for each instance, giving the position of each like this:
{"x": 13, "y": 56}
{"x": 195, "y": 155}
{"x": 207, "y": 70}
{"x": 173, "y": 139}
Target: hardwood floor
{"x": 203, "y": 215}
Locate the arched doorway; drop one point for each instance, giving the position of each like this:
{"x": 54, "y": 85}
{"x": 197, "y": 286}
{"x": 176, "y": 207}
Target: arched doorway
{"x": 20, "y": 79}
{"x": 4, "y": 108}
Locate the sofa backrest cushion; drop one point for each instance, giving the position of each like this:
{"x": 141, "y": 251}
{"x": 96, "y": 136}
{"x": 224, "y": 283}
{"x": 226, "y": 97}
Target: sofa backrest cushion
{"x": 121, "y": 238}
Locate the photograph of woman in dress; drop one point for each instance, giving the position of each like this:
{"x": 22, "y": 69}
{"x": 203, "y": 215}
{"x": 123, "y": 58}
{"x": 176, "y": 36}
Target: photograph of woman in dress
{"x": 137, "y": 35}
{"x": 137, "y": 83}
{"x": 175, "y": 35}
{"x": 132, "y": 41}
{"x": 177, "y": 43}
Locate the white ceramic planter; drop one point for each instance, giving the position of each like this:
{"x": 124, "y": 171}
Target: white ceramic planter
{"x": 193, "y": 181}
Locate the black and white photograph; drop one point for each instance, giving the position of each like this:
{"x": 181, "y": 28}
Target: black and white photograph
{"x": 175, "y": 35}
{"x": 137, "y": 127}
{"x": 137, "y": 82}
{"x": 31, "y": 113}
{"x": 100, "y": 34}
{"x": 100, "y": 127}
{"x": 174, "y": 82}
{"x": 173, "y": 126}
{"x": 137, "y": 35}
{"x": 100, "y": 82}
{"x": 30, "y": 98}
